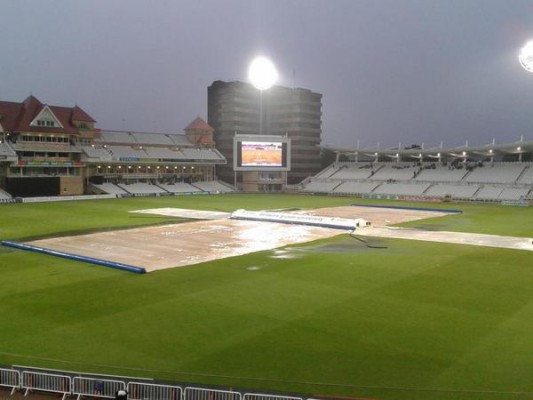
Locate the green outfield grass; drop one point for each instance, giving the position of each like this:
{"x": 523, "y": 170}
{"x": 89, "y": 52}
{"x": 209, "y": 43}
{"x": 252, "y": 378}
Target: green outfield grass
{"x": 407, "y": 320}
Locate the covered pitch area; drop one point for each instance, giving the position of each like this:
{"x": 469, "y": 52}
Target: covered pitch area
{"x": 218, "y": 235}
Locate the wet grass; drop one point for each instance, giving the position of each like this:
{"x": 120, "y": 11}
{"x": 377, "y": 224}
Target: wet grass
{"x": 365, "y": 317}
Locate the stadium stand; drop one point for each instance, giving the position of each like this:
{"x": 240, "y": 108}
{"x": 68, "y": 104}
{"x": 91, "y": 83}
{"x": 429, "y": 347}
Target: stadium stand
{"x": 4, "y": 195}
{"x": 179, "y": 187}
{"x": 126, "y": 152}
{"x": 321, "y": 186}
{"x": 527, "y": 176}
{"x": 455, "y": 191}
{"x": 496, "y": 173}
{"x": 6, "y": 150}
{"x": 513, "y": 194}
{"x": 214, "y": 187}
{"x": 463, "y": 180}
{"x": 351, "y": 187}
{"x": 395, "y": 172}
{"x": 140, "y": 188}
{"x": 109, "y": 188}
{"x": 97, "y": 153}
{"x": 407, "y": 189}
{"x": 326, "y": 173}
{"x": 352, "y": 172}
{"x": 439, "y": 173}
{"x": 488, "y": 193}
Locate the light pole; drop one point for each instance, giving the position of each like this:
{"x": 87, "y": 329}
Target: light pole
{"x": 263, "y": 75}
{"x": 526, "y": 61}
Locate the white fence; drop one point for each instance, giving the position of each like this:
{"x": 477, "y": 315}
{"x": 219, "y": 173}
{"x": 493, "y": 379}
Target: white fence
{"x": 142, "y": 391}
{"x": 93, "y": 387}
{"x": 46, "y": 383}
{"x": 256, "y": 396}
{"x": 96, "y": 387}
{"x": 9, "y": 378}
{"x": 192, "y": 393}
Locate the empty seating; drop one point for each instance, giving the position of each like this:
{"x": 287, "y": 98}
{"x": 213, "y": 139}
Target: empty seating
{"x": 4, "y": 195}
{"x": 355, "y": 171}
{"x": 179, "y": 187}
{"x": 141, "y": 188}
{"x": 441, "y": 173}
{"x": 406, "y": 189}
{"x": 110, "y": 188}
{"x": 513, "y": 193}
{"x": 497, "y": 173}
{"x": 351, "y": 187}
{"x": 395, "y": 172}
{"x": 328, "y": 172}
{"x": 527, "y": 176}
{"x": 320, "y": 186}
{"x": 489, "y": 193}
{"x": 213, "y": 186}
{"x": 456, "y": 191}
{"x": 471, "y": 181}
{"x": 6, "y": 150}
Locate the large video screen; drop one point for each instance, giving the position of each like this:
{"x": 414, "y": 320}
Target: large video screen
{"x": 261, "y": 153}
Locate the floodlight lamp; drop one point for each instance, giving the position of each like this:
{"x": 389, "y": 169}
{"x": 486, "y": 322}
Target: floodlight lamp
{"x": 262, "y": 73}
{"x": 518, "y": 148}
{"x": 526, "y": 56}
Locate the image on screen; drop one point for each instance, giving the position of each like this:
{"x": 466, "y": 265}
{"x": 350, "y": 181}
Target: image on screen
{"x": 265, "y": 154}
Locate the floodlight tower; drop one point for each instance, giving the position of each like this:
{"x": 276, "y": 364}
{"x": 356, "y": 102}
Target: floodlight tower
{"x": 263, "y": 75}
{"x": 525, "y": 57}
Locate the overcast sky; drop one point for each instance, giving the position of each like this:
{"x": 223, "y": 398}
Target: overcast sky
{"x": 390, "y": 71}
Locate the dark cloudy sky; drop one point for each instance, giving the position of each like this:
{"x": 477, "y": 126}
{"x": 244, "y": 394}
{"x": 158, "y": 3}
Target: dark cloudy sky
{"x": 390, "y": 71}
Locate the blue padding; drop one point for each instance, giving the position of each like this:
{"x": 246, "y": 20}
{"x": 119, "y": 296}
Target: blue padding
{"x": 444, "y": 210}
{"x": 97, "y": 261}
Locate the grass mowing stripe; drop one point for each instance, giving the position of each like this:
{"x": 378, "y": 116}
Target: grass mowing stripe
{"x": 406, "y": 322}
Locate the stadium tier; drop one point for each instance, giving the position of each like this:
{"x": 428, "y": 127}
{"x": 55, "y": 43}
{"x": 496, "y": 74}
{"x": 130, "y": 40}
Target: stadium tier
{"x": 476, "y": 181}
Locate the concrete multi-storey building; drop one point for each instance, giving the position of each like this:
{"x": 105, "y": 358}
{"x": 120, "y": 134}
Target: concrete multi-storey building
{"x": 239, "y": 108}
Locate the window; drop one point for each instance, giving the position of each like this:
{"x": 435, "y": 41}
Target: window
{"x": 46, "y": 123}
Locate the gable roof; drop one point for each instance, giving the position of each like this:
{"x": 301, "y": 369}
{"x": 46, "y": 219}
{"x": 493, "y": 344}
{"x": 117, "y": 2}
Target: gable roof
{"x": 9, "y": 113}
{"x": 45, "y": 112}
{"x": 199, "y": 124}
{"x": 18, "y": 116}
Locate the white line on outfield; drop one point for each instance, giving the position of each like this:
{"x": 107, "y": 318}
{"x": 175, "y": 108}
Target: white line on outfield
{"x": 473, "y": 239}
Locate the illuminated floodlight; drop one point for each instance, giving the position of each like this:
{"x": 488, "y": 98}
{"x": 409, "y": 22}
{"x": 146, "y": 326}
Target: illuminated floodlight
{"x": 262, "y": 73}
{"x": 526, "y": 56}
